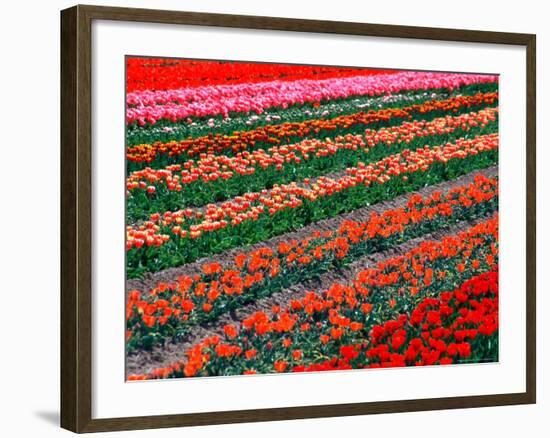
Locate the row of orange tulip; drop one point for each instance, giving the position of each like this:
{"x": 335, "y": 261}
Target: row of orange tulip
{"x": 288, "y": 132}
{"x": 202, "y": 180}
{"x": 170, "y": 307}
{"x": 270, "y": 212}
{"x": 367, "y": 318}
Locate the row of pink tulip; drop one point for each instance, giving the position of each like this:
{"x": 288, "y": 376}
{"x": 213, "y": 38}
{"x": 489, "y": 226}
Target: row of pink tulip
{"x": 173, "y": 105}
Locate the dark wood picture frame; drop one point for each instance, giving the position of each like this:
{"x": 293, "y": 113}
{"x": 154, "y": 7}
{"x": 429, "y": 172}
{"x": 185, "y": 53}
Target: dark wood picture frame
{"x": 76, "y": 217}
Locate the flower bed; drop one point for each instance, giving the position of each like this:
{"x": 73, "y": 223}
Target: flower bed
{"x": 190, "y": 234}
{"x": 220, "y": 177}
{"x": 295, "y": 218}
{"x": 166, "y": 74}
{"x": 149, "y": 106}
{"x": 366, "y": 324}
{"x": 285, "y": 133}
{"x": 165, "y": 311}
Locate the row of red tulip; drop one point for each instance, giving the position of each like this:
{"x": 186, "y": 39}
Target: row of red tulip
{"x": 172, "y": 73}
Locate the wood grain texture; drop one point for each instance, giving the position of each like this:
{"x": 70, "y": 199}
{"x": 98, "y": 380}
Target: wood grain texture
{"x": 76, "y": 222}
{"x": 69, "y": 327}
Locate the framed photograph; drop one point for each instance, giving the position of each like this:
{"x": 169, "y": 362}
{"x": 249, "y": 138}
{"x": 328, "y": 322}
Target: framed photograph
{"x": 268, "y": 219}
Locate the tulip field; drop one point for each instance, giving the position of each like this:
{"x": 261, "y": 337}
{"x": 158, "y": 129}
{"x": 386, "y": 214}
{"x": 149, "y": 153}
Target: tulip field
{"x": 294, "y": 218}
